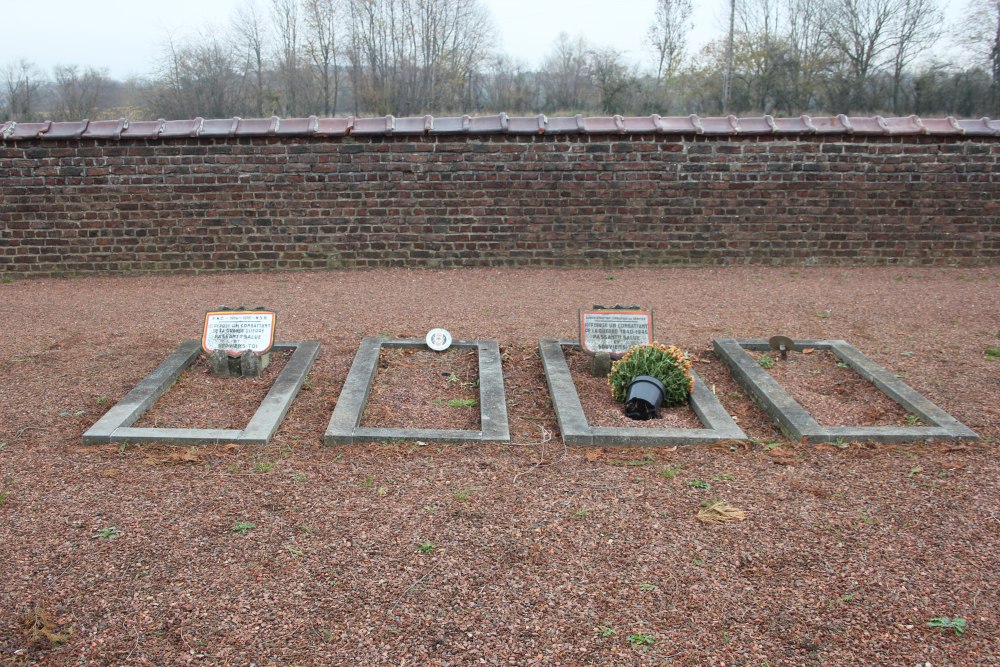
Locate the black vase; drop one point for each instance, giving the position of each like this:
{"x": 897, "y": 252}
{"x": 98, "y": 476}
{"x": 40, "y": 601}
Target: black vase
{"x": 644, "y": 397}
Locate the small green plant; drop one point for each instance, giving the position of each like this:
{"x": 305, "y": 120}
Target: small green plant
{"x": 368, "y": 483}
{"x": 698, "y": 484}
{"x": 4, "y": 495}
{"x": 427, "y": 548}
{"x": 102, "y": 400}
{"x": 462, "y": 494}
{"x": 670, "y": 473}
{"x": 843, "y": 599}
{"x": 723, "y": 478}
{"x": 841, "y": 364}
{"x": 915, "y": 470}
{"x": 766, "y": 361}
{"x": 110, "y": 533}
{"x": 295, "y": 551}
{"x": 667, "y": 363}
{"x": 604, "y": 631}
{"x": 772, "y": 445}
{"x": 6, "y": 280}
{"x": 462, "y": 403}
{"x": 611, "y": 277}
{"x": 646, "y": 588}
{"x": 841, "y": 443}
{"x": 957, "y": 624}
{"x": 263, "y": 466}
{"x": 992, "y": 353}
{"x": 242, "y": 527}
{"x": 581, "y": 513}
{"x": 912, "y": 420}
{"x": 634, "y": 463}
{"x": 640, "y": 640}
{"x": 452, "y": 379}
{"x": 823, "y": 314}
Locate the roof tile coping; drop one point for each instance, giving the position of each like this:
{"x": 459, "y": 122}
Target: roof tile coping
{"x": 497, "y": 124}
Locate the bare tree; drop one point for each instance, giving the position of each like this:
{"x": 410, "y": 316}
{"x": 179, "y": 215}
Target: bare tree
{"x": 78, "y": 94}
{"x": 199, "y": 78}
{"x": 916, "y": 27}
{"x": 250, "y": 32}
{"x": 508, "y": 85}
{"x": 21, "y": 86}
{"x": 565, "y": 75}
{"x": 285, "y": 14}
{"x": 613, "y": 79}
{"x": 809, "y": 52}
{"x": 668, "y": 36}
{"x": 981, "y": 34}
{"x": 322, "y": 18}
{"x": 862, "y": 32}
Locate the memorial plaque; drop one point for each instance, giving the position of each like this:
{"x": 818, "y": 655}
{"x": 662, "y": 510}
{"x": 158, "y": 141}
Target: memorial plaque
{"x": 235, "y": 331}
{"x": 614, "y": 330}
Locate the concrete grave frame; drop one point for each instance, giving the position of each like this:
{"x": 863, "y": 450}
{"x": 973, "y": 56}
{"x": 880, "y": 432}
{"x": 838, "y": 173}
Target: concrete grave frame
{"x": 345, "y": 429}
{"x": 116, "y": 424}
{"x": 800, "y": 426}
{"x": 719, "y": 425}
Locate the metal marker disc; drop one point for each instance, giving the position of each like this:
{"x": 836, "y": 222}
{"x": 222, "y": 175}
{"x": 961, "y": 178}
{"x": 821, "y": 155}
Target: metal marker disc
{"x": 438, "y": 339}
{"x": 777, "y": 342}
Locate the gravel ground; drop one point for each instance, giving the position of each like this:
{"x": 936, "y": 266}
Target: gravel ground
{"x": 529, "y": 553}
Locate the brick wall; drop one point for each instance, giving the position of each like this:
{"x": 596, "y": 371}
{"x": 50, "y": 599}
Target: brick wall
{"x": 196, "y": 204}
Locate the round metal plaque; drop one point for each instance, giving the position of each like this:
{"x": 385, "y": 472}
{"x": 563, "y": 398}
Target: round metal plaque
{"x": 779, "y": 342}
{"x": 438, "y": 339}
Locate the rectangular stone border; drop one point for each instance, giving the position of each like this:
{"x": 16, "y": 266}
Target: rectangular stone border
{"x": 799, "y": 425}
{"x": 344, "y": 427}
{"x": 719, "y": 425}
{"x": 116, "y": 424}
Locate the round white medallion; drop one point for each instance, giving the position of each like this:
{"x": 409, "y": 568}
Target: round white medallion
{"x": 438, "y": 339}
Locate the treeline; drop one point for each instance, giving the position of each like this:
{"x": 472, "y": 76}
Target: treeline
{"x": 411, "y": 57}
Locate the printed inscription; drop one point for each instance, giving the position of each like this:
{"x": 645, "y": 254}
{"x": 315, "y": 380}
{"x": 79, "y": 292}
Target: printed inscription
{"x": 615, "y": 331}
{"x": 237, "y": 331}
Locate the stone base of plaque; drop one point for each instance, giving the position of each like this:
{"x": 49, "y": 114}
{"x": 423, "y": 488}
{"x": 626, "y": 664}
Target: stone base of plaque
{"x": 247, "y": 364}
{"x": 600, "y": 365}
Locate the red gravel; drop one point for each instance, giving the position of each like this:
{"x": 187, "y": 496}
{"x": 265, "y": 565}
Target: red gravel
{"x": 835, "y": 395}
{"x": 531, "y": 547}
{"x": 423, "y": 389}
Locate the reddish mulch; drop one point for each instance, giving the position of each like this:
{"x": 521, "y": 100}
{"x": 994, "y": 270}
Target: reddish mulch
{"x": 530, "y": 547}
{"x": 413, "y": 389}
{"x": 602, "y": 409}
{"x": 201, "y": 400}
{"x": 835, "y": 395}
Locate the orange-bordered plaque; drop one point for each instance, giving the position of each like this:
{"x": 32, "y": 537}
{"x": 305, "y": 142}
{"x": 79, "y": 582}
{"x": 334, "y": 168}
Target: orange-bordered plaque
{"x": 235, "y": 331}
{"x": 614, "y": 330}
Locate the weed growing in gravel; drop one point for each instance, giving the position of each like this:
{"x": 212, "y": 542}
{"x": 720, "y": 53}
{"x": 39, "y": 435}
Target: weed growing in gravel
{"x": 958, "y": 624}
{"x": 723, "y": 478}
{"x": 102, "y": 400}
{"x": 640, "y": 640}
{"x": 368, "y": 483}
{"x": 3, "y": 446}
{"x": 580, "y": 513}
{"x": 765, "y": 361}
{"x": 670, "y": 473}
{"x": 462, "y": 494}
{"x": 427, "y": 548}
{"x": 634, "y": 462}
{"x": 915, "y": 470}
{"x": 992, "y": 353}
{"x": 698, "y": 484}
{"x": 912, "y": 420}
{"x": 646, "y": 588}
{"x": 295, "y": 551}
{"x": 843, "y": 599}
{"x": 110, "y": 533}
{"x": 234, "y": 468}
{"x": 6, "y": 280}
{"x": 462, "y": 403}
{"x": 4, "y": 495}
{"x": 841, "y": 443}
{"x": 841, "y": 364}
{"x": 242, "y": 527}
{"x": 263, "y": 466}
{"x": 604, "y": 631}
{"x": 824, "y": 314}
{"x": 40, "y": 626}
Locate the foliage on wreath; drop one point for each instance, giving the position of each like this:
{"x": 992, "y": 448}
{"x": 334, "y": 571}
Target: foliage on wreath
{"x": 667, "y": 363}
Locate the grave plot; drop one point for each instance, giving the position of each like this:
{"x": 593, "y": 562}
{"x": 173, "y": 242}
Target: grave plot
{"x": 896, "y": 413}
{"x": 460, "y": 409}
{"x": 711, "y": 422}
{"x": 118, "y": 424}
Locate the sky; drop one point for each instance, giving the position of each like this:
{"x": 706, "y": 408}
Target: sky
{"x": 126, "y": 36}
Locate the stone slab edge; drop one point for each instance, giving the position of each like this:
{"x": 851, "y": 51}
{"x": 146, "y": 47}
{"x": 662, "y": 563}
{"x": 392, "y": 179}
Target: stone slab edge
{"x": 799, "y": 425}
{"x": 116, "y": 424}
{"x": 577, "y": 431}
{"x": 344, "y": 426}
